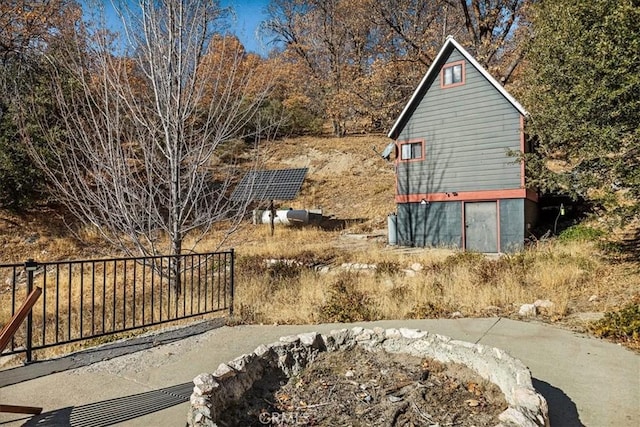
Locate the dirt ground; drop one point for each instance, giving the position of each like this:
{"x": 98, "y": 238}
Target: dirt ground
{"x": 361, "y": 388}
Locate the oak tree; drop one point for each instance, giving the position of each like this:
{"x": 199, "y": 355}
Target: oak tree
{"x": 26, "y": 27}
{"x": 583, "y": 93}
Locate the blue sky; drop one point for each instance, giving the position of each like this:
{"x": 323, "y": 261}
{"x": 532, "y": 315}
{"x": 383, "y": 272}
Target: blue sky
{"x": 248, "y": 15}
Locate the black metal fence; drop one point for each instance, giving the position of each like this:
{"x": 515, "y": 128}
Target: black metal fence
{"x": 93, "y": 298}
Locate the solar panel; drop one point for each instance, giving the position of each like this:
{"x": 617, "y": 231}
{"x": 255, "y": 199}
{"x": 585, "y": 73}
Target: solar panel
{"x": 278, "y": 184}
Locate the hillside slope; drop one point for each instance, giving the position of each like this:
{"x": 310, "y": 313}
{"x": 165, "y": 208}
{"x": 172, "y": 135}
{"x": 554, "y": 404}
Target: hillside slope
{"x": 581, "y": 276}
{"x": 346, "y": 177}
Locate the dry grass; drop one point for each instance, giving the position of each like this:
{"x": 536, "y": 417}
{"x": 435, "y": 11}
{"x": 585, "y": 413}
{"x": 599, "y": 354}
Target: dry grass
{"x": 346, "y": 177}
{"x": 423, "y": 283}
{"x": 80, "y": 300}
{"x": 354, "y": 186}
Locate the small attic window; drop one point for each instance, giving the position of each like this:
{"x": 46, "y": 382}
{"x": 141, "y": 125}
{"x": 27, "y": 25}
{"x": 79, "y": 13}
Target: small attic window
{"x": 452, "y": 74}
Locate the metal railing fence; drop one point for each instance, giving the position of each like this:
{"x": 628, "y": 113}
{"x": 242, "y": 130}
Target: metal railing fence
{"x": 93, "y": 298}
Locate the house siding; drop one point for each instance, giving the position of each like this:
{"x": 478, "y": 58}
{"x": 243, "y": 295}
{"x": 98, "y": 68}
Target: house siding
{"x": 467, "y": 132}
{"x": 433, "y": 224}
{"x": 439, "y": 224}
{"x": 512, "y": 225}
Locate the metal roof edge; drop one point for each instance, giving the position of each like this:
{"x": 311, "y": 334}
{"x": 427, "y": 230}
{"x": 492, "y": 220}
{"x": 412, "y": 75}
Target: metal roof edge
{"x": 418, "y": 89}
{"x": 489, "y": 77}
{"x": 393, "y": 133}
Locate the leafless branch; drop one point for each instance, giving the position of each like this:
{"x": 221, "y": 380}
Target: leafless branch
{"x": 142, "y": 121}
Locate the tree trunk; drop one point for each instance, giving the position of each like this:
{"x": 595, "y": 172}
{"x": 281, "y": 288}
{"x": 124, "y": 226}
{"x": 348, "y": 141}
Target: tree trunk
{"x": 339, "y": 128}
{"x": 176, "y": 231}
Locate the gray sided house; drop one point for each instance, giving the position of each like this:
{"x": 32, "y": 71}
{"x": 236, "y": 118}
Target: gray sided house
{"x": 456, "y": 184}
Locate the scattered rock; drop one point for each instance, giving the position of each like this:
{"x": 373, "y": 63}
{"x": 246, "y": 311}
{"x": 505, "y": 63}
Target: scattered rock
{"x": 357, "y": 266}
{"x": 223, "y": 372}
{"x": 416, "y": 266}
{"x": 543, "y": 306}
{"x": 528, "y": 310}
{"x": 413, "y": 333}
{"x": 593, "y": 298}
{"x": 32, "y": 238}
{"x": 205, "y": 383}
{"x": 543, "y": 303}
{"x": 409, "y": 273}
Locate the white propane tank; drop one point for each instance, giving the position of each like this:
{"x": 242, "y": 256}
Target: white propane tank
{"x": 287, "y": 217}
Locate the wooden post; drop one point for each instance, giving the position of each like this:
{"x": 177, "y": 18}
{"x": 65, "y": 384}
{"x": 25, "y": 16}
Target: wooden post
{"x": 30, "y": 266}
{"x": 13, "y": 409}
{"x": 13, "y": 325}
{"x": 272, "y": 211}
{"x": 5, "y": 337}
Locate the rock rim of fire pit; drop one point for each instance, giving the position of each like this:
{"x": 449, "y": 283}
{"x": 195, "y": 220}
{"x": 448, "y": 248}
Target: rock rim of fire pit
{"x": 214, "y": 392}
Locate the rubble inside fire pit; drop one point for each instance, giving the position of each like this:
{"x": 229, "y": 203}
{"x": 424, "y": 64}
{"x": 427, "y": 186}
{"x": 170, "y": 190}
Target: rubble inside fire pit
{"x": 369, "y": 377}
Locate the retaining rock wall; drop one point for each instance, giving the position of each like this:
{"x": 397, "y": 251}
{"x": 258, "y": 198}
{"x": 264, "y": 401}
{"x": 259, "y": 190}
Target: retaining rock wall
{"x": 213, "y": 393}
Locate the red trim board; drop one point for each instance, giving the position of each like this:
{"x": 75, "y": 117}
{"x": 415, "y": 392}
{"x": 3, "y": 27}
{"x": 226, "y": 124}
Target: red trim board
{"x": 522, "y": 147}
{"x": 468, "y": 196}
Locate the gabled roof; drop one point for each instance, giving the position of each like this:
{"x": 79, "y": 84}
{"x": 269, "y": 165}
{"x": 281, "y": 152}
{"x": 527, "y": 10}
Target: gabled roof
{"x": 433, "y": 72}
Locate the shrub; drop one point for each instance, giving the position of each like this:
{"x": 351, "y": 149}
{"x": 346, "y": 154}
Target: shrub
{"x": 345, "y": 303}
{"x": 428, "y": 310}
{"x": 255, "y": 266}
{"x": 244, "y": 315}
{"x": 252, "y": 265}
{"x": 21, "y": 183}
{"x": 311, "y": 259}
{"x": 387, "y": 267}
{"x": 488, "y": 271}
{"x": 614, "y": 249}
{"x": 581, "y": 233}
{"x": 232, "y": 150}
{"x": 485, "y": 270}
{"x": 621, "y": 325}
{"x": 399, "y": 293}
{"x": 282, "y": 271}
{"x": 466, "y": 258}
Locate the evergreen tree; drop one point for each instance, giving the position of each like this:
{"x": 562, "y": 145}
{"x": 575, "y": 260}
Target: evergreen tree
{"x": 583, "y": 93}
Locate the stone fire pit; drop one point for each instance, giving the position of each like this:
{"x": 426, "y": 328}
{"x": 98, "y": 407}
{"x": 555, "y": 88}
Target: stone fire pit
{"x": 214, "y": 393}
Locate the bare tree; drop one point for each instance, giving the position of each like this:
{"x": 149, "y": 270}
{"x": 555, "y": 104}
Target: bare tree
{"x": 319, "y": 34}
{"x": 142, "y": 120}
{"x": 414, "y": 30}
{"x": 492, "y": 31}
